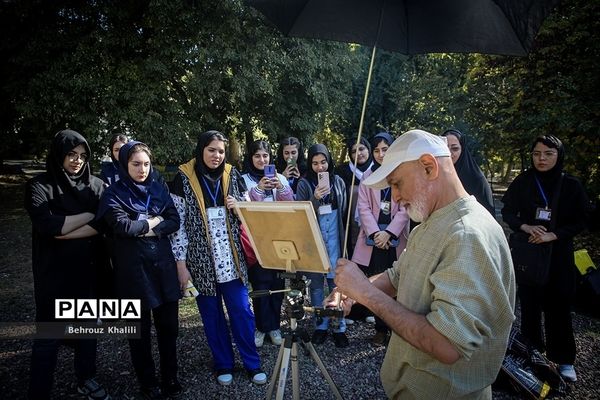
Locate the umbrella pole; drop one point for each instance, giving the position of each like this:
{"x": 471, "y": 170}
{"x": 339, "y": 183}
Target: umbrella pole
{"x": 360, "y": 128}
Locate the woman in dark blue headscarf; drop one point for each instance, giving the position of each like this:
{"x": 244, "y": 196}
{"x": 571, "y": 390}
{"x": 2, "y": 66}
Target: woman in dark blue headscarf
{"x": 140, "y": 212}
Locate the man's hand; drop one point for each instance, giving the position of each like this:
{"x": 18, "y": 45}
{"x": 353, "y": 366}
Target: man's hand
{"x": 350, "y": 279}
{"x": 345, "y": 302}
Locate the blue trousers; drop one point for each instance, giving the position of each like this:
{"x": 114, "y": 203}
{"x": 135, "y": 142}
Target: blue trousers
{"x": 235, "y": 296}
{"x": 267, "y": 309}
{"x": 317, "y": 295}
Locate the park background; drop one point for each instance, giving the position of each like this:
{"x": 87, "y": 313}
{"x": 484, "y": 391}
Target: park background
{"x": 163, "y": 71}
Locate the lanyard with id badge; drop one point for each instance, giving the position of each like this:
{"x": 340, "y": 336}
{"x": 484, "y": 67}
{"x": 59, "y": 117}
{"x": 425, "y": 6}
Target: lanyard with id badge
{"x": 214, "y": 213}
{"x": 543, "y": 214}
{"x": 385, "y": 205}
{"x": 144, "y": 215}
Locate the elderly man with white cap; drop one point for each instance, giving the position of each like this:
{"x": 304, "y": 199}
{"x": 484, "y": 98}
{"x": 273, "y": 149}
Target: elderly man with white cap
{"x": 449, "y": 298}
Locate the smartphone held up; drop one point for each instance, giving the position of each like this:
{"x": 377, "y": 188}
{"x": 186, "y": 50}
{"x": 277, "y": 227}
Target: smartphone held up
{"x": 270, "y": 171}
{"x": 323, "y": 178}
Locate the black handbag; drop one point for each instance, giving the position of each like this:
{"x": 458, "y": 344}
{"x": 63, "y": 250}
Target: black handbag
{"x": 531, "y": 261}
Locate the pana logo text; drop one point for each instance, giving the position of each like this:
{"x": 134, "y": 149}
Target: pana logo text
{"x": 97, "y": 308}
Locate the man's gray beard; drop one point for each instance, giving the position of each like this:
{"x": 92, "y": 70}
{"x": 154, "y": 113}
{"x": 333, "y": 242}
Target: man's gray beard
{"x": 417, "y": 208}
{"x": 415, "y": 213}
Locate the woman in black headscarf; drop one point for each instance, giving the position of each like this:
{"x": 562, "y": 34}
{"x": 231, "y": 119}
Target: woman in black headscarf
{"x": 330, "y": 205}
{"x": 141, "y": 214}
{"x": 109, "y": 170}
{"x": 205, "y": 191}
{"x": 345, "y": 171}
{"x": 66, "y": 247}
{"x": 290, "y": 160}
{"x": 468, "y": 171}
{"x": 267, "y": 309}
{"x": 528, "y": 208}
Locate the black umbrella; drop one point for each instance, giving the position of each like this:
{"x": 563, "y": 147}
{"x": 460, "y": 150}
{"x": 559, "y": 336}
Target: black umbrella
{"x": 504, "y": 27}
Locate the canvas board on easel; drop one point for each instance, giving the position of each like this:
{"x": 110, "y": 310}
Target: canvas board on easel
{"x": 285, "y": 235}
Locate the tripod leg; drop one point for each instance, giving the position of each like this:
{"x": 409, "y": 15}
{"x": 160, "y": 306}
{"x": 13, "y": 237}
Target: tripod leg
{"x": 275, "y": 373}
{"x": 295, "y": 374}
{"x": 317, "y": 359}
{"x": 285, "y": 363}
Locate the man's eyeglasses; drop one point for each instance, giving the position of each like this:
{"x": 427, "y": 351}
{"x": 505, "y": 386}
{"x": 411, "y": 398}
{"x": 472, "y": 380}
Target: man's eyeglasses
{"x": 73, "y": 156}
{"x": 546, "y": 154}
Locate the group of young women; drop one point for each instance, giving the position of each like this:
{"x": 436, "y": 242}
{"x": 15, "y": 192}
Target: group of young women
{"x": 160, "y": 238}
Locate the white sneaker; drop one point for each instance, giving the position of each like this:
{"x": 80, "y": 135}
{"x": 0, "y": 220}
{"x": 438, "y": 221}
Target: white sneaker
{"x": 275, "y": 337}
{"x": 225, "y": 379}
{"x": 259, "y": 338}
{"x": 259, "y": 378}
{"x": 567, "y": 371}
{"x": 349, "y": 321}
{"x": 370, "y": 319}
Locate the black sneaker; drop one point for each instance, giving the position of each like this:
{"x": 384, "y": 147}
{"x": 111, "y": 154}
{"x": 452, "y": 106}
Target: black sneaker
{"x": 319, "y": 336}
{"x": 172, "y": 388}
{"x": 93, "y": 390}
{"x": 340, "y": 339}
{"x": 151, "y": 393}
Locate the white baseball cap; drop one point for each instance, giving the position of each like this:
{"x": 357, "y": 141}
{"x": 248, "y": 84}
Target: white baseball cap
{"x": 408, "y": 147}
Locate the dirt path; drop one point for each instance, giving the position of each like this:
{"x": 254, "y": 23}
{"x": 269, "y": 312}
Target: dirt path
{"x": 357, "y": 366}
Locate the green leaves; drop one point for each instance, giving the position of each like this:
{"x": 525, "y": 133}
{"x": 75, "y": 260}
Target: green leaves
{"x": 163, "y": 71}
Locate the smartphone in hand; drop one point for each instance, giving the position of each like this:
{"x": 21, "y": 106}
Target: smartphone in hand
{"x": 270, "y": 171}
{"x": 323, "y": 178}
{"x": 291, "y": 162}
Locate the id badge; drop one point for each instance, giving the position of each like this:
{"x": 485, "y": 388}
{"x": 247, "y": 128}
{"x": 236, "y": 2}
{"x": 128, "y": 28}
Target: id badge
{"x": 215, "y": 213}
{"x": 543, "y": 214}
{"x": 385, "y": 206}
{"x": 142, "y": 216}
{"x": 325, "y": 209}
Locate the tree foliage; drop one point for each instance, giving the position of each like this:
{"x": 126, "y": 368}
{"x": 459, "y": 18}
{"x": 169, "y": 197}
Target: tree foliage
{"x": 163, "y": 71}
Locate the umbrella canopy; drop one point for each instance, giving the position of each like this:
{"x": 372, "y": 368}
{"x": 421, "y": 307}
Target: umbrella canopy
{"x": 414, "y": 26}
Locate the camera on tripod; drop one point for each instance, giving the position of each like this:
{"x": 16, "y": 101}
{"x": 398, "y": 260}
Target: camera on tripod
{"x": 294, "y": 296}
